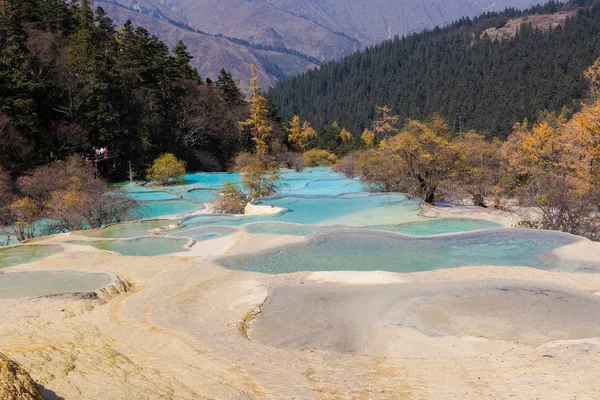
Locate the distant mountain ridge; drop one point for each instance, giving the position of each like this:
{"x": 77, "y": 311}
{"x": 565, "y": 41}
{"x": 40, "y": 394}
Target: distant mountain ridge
{"x": 287, "y": 37}
{"x": 461, "y": 72}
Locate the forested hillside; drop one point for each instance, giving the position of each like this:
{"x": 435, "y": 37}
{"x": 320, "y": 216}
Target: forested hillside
{"x": 457, "y": 72}
{"x": 71, "y": 81}
{"x": 212, "y": 52}
{"x": 289, "y": 36}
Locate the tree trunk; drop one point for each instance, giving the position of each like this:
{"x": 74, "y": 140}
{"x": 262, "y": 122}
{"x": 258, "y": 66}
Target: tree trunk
{"x": 478, "y": 200}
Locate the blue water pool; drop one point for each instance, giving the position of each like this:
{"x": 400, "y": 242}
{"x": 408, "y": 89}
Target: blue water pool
{"x": 358, "y": 209}
{"x": 420, "y": 228}
{"x": 128, "y": 229}
{"x": 15, "y": 255}
{"x": 144, "y": 246}
{"x": 156, "y": 209}
{"x": 369, "y": 251}
{"x": 153, "y": 195}
{"x": 44, "y": 283}
{"x": 438, "y": 226}
{"x": 205, "y": 233}
{"x": 201, "y": 195}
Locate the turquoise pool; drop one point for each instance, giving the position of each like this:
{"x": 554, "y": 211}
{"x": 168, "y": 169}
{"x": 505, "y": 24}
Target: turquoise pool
{"x": 22, "y": 254}
{"x": 144, "y": 246}
{"x": 43, "y": 283}
{"x": 370, "y": 251}
{"x": 421, "y": 228}
{"x": 356, "y": 209}
{"x": 153, "y": 195}
{"x": 204, "y": 233}
{"x": 128, "y": 229}
{"x": 201, "y": 195}
{"x": 163, "y": 208}
{"x": 204, "y": 186}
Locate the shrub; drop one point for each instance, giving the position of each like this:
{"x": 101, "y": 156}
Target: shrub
{"x": 167, "y": 169}
{"x": 347, "y": 164}
{"x": 243, "y": 159}
{"x": 25, "y": 213}
{"x": 232, "y": 200}
{"x": 260, "y": 178}
{"x": 382, "y": 171}
{"x": 69, "y": 195}
{"x": 291, "y": 160}
{"x": 319, "y": 158}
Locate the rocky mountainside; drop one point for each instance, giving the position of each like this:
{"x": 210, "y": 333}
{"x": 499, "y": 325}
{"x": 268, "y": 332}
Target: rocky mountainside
{"x": 372, "y": 21}
{"x": 285, "y": 37}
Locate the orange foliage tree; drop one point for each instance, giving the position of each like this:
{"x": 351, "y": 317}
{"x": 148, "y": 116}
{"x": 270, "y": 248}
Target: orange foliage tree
{"x": 424, "y": 148}
{"x": 478, "y": 168}
{"x": 557, "y": 161}
{"x": 258, "y": 123}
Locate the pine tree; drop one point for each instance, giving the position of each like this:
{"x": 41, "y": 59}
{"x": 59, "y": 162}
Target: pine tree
{"x": 225, "y": 85}
{"x": 182, "y": 63}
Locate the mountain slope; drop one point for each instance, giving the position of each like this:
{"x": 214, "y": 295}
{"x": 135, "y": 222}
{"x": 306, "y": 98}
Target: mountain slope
{"x": 457, "y": 72}
{"x": 211, "y": 53}
{"x": 314, "y": 30}
{"x": 371, "y": 22}
{"x": 256, "y": 22}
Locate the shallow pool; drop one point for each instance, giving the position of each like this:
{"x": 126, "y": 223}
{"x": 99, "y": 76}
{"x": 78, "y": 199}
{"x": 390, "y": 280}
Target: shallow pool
{"x": 201, "y": 195}
{"x": 204, "y": 233}
{"x": 23, "y": 254}
{"x": 439, "y": 226}
{"x": 156, "y": 209}
{"x": 370, "y": 251}
{"x": 144, "y": 246}
{"x": 357, "y": 209}
{"x": 420, "y": 228}
{"x": 128, "y": 229}
{"x": 44, "y": 283}
{"x": 153, "y": 195}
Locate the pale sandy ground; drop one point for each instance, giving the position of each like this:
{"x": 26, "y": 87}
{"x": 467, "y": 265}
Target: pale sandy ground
{"x": 250, "y": 209}
{"x": 505, "y": 218}
{"x": 176, "y": 334}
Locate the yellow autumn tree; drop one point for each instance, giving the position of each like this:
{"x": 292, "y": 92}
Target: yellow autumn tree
{"x": 424, "y": 148}
{"x": 560, "y": 163}
{"x": 593, "y": 77}
{"x": 368, "y": 138}
{"x": 346, "y": 136}
{"x": 300, "y": 134}
{"x": 167, "y": 169}
{"x": 25, "y": 212}
{"x": 319, "y": 158}
{"x": 258, "y": 122}
{"x": 477, "y": 171}
{"x": 386, "y": 123}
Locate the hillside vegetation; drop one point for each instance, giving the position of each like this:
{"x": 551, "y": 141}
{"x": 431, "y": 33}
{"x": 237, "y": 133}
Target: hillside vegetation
{"x": 297, "y": 34}
{"x": 71, "y": 81}
{"x": 458, "y": 72}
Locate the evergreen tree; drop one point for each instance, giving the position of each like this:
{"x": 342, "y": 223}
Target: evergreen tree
{"x": 225, "y": 85}
{"x": 69, "y": 81}
{"x": 182, "y": 63}
{"x": 473, "y": 80}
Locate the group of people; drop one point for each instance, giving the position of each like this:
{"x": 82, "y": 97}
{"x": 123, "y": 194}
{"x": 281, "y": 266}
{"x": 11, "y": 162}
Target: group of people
{"x": 101, "y": 152}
